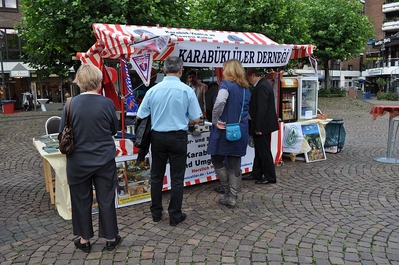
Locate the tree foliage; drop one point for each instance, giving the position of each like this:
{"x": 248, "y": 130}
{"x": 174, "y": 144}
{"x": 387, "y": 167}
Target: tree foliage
{"x": 338, "y": 29}
{"x": 280, "y": 20}
{"x": 54, "y": 30}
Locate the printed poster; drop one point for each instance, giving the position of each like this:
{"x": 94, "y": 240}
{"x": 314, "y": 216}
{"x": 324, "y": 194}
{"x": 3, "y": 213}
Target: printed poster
{"x": 134, "y": 185}
{"x": 293, "y": 137}
{"x": 311, "y": 134}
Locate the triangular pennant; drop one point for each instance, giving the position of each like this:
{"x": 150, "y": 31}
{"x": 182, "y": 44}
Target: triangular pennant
{"x": 142, "y": 64}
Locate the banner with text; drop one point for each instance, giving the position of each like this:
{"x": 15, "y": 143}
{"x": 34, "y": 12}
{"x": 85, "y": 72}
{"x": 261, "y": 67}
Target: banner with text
{"x": 215, "y": 54}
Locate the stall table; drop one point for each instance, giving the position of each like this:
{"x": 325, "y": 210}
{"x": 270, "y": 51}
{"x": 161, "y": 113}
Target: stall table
{"x": 381, "y": 110}
{"x": 42, "y": 102}
{"x": 133, "y": 186}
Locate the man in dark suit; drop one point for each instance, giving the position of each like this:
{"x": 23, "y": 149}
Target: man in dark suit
{"x": 263, "y": 116}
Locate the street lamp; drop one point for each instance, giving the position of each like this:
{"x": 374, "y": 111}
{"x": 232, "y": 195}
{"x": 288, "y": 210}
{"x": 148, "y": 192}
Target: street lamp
{"x": 340, "y": 73}
{"x": 1, "y": 60}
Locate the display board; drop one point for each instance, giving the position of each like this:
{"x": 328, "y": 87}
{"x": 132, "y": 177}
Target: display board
{"x": 311, "y": 134}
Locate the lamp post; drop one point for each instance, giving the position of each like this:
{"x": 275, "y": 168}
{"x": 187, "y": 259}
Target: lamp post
{"x": 340, "y": 73}
{"x": 1, "y": 60}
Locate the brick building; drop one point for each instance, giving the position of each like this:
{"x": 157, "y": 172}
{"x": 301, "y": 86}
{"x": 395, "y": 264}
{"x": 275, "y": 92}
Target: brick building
{"x": 19, "y": 78}
{"x": 381, "y": 56}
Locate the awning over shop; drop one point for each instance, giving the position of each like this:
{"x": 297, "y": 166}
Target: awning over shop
{"x": 386, "y": 42}
{"x": 200, "y": 48}
{"x": 19, "y": 71}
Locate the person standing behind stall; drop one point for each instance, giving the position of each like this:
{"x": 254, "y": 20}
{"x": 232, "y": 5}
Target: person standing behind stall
{"x": 263, "y": 122}
{"x": 198, "y": 87}
{"x": 172, "y": 106}
{"x": 210, "y": 96}
{"x": 227, "y": 109}
{"x": 92, "y": 162}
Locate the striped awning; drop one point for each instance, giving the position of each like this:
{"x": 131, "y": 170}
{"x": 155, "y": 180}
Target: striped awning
{"x": 206, "y": 48}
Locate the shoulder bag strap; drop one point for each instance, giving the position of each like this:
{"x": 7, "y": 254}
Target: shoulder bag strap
{"x": 68, "y": 111}
{"x": 242, "y": 107}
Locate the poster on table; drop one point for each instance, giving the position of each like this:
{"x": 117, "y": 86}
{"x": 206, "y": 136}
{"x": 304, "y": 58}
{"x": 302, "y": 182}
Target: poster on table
{"x": 133, "y": 179}
{"x": 311, "y": 134}
{"x": 293, "y": 137}
{"x": 133, "y": 184}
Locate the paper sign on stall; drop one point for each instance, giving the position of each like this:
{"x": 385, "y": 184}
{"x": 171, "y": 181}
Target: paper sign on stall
{"x": 293, "y": 137}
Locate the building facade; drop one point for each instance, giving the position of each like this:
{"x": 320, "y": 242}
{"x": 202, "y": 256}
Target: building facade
{"x": 19, "y": 79}
{"x": 380, "y": 60}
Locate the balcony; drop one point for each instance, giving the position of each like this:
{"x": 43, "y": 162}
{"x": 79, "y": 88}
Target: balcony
{"x": 391, "y": 7}
{"x": 390, "y": 26}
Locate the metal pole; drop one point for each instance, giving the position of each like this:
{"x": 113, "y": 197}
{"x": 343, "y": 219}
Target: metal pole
{"x": 340, "y": 73}
{"x": 2, "y": 71}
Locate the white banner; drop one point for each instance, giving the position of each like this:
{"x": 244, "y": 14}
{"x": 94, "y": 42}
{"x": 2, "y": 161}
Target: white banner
{"x": 199, "y": 54}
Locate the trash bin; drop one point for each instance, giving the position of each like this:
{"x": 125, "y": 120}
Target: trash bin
{"x": 335, "y": 136}
{"x": 367, "y": 95}
{"x": 7, "y": 106}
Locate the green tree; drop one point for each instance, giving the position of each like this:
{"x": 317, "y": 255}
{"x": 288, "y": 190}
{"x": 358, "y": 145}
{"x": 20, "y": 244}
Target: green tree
{"x": 280, "y": 20}
{"x": 338, "y": 29}
{"x": 54, "y": 30}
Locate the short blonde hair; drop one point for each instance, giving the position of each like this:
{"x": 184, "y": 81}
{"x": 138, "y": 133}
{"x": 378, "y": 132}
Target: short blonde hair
{"x": 233, "y": 71}
{"x": 88, "y": 77}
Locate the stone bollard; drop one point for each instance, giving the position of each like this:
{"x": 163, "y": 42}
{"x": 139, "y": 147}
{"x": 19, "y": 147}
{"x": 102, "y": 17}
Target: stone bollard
{"x": 359, "y": 94}
{"x": 351, "y": 92}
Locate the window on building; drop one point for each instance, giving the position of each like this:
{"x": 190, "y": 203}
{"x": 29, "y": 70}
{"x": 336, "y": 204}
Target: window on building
{"x": 12, "y": 4}
{"x": 11, "y": 44}
{"x": 350, "y": 67}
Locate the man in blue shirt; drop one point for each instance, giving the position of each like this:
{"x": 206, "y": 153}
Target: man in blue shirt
{"x": 172, "y": 106}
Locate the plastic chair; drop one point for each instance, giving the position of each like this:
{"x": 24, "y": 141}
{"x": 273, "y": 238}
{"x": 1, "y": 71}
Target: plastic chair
{"x": 52, "y": 124}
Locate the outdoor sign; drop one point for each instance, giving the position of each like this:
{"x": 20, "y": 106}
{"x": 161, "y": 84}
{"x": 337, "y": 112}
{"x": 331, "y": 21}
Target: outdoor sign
{"x": 292, "y": 139}
{"x": 196, "y": 47}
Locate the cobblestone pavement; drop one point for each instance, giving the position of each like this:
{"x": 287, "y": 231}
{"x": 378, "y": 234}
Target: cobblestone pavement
{"x": 343, "y": 210}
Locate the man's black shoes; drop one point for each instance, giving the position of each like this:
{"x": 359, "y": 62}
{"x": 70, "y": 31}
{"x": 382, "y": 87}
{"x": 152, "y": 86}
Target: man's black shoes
{"x": 110, "y": 245}
{"x": 182, "y": 218}
{"x": 219, "y": 189}
{"x": 249, "y": 177}
{"x": 86, "y": 247}
{"x": 264, "y": 181}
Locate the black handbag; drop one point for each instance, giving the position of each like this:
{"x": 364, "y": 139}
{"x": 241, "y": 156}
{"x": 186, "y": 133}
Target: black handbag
{"x": 143, "y": 133}
{"x": 65, "y": 137}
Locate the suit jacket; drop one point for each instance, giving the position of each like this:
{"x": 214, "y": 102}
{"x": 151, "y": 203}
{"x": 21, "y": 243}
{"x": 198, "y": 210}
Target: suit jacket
{"x": 200, "y": 90}
{"x": 262, "y": 109}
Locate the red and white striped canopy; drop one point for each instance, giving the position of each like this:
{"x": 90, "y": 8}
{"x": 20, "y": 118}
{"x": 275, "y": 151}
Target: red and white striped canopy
{"x": 198, "y": 48}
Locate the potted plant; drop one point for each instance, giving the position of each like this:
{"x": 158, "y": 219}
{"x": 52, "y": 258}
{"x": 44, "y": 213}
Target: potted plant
{"x": 381, "y": 82}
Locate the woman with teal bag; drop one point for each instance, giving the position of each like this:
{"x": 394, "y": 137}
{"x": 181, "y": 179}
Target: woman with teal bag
{"x": 231, "y": 106}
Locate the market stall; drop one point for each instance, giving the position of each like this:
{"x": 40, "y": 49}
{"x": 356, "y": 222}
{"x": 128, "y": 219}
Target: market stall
{"x": 141, "y": 45}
